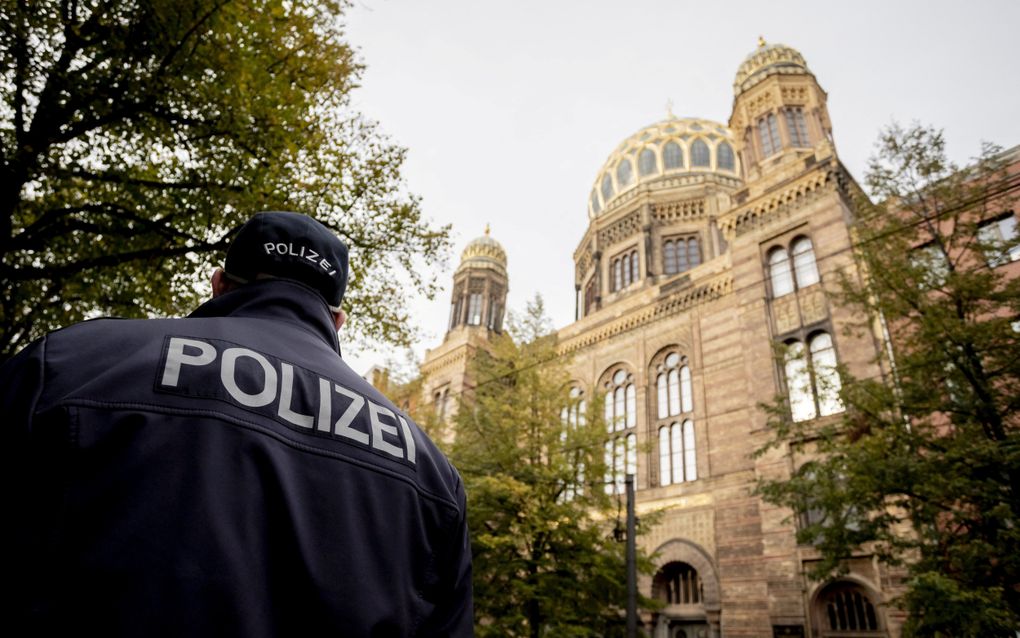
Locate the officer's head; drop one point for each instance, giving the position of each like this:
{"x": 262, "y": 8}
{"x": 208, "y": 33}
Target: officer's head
{"x": 287, "y": 246}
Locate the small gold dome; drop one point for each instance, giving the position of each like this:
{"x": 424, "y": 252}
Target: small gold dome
{"x": 766, "y": 60}
{"x": 483, "y": 252}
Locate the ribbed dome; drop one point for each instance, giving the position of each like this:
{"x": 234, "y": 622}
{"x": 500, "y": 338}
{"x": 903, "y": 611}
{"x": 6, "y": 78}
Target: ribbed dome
{"x": 673, "y": 146}
{"x": 766, "y": 60}
{"x": 484, "y": 252}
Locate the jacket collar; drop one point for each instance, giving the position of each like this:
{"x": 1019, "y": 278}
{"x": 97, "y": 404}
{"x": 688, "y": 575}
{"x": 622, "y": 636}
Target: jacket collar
{"x": 276, "y": 299}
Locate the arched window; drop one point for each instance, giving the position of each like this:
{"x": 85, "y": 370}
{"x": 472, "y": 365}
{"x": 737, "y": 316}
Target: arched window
{"x": 595, "y": 207}
{"x": 680, "y": 254}
{"x": 823, "y": 367}
{"x": 699, "y": 154}
{"x": 724, "y": 159}
{"x": 803, "y": 272}
{"x": 677, "y": 584}
{"x": 768, "y": 135}
{"x": 624, "y": 172}
{"x": 843, "y": 609}
{"x": 796, "y": 128}
{"x": 573, "y": 417}
{"x": 672, "y": 156}
{"x": 693, "y": 255}
{"x": 607, "y": 187}
{"x": 779, "y": 272}
{"x": 669, "y": 257}
{"x": 647, "y": 163}
{"x": 812, "y": 380}
{"x": 798, "y": 382}
{"x": 475, "y": 309}
{"x": 621, "y": 421}
{"x": 804, "y": 267}
{"x": 675, "y": 396}
{"x": 625, "y": 270}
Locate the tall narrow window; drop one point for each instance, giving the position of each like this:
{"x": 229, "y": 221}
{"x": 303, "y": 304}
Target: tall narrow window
{"x": 607, "y": 188}
{"x": 690, "y": 455}
{"x": 661, "y": 394}
{"x": 804, "y": 267}
{"x": 621, "y": 423}
{"x": 768, "y": 134}
{"x": 699, "y": 154}
{"x": 617, "y": 274}
{"x": 595, "y": 207}
{"x": 677, "y": 452}
{"x": 624, "y": 172}
{"x": 724, "y": 159}
{"x": 796, "y": 127}
{"x": 674, "y": 394}
{"x": 589, "y": 297}
{"x": 779, "y": 272}
{"x": 823, "y": 365}
{"x": 669, "y": 265}
{"x": 693, "y": 254}
{"x": 812, "y": 380}
{"x": 475, "y": 309}
{"x": 798, "y": 383}
{"x": 634, "y": 266}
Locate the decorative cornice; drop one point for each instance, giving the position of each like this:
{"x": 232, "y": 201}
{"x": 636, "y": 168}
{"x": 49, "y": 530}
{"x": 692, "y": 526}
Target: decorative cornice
{"x": 663, "y": 307}
{"x": 776, "y": 205}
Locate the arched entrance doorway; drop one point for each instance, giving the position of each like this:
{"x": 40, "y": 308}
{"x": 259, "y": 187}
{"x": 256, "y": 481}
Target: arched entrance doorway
{"x": 844, "y": 609}
{"x": 686, "y": 584}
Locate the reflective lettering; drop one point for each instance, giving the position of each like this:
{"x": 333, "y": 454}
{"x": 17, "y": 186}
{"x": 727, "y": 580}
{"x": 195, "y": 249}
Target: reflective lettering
{"x": 175, "y": 358}
{"x": 228, "y": 372}
{"x": 378, "y": 427}
{"x": 343, "y": 424}
{"x": 408, "y": 439}
{"x": 325, "y": 406}
{"x": 286, "y": 395}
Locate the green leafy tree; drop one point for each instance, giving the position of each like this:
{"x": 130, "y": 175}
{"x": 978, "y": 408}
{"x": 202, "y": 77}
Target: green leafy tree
{"x": 135, "y": 133}
{"x": 545, "y": 560}
{"x": 924, "y": 466}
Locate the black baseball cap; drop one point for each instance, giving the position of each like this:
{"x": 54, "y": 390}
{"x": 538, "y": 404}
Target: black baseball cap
{"x": 290, "y": 246}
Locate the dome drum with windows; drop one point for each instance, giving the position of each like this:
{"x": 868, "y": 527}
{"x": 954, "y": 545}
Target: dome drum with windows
{"x": 674, "y": 146}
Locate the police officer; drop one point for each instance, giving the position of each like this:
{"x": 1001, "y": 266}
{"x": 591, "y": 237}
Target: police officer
{"x": 226, "y": 474}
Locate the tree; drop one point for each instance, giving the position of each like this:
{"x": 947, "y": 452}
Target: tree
{"x": 135, "y": 133}
{"x": 924, "y": 466}
{"x": 530, "y": 452}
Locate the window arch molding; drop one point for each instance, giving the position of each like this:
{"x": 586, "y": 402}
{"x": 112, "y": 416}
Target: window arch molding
{"x": 830, "y": 620}
{"x": 683, "y": 551}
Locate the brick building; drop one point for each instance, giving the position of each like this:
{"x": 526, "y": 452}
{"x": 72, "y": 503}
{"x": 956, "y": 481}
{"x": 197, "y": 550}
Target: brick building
{"x": 707, "y": 245}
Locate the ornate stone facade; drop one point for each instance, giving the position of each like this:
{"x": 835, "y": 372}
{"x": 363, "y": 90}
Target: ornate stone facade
{"x": 707, "y": 246}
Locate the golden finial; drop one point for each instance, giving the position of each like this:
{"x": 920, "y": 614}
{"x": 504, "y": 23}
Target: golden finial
{"x": 486, "y": 230}
{"x": 669, "y": 108}
{"x": 761, "y": 42}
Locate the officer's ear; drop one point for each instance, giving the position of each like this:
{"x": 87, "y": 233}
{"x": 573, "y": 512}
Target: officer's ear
{"x": 339, "y": 318}
{"x": 220, "y": 283}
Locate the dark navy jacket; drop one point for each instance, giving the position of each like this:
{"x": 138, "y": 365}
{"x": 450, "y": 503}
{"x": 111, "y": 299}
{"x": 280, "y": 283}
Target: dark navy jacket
{"x": 225, "y": 474}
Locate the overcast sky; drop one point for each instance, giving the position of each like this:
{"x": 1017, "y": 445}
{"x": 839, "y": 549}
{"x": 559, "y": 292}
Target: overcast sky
{"x": 509, "y": 109}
